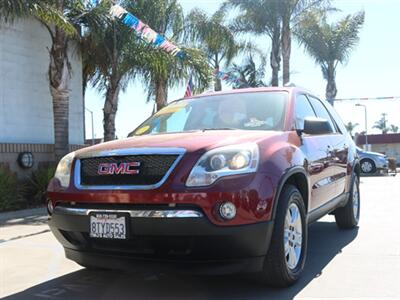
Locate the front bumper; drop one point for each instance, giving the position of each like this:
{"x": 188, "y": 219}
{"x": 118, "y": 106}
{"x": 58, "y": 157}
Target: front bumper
{"x": 382, "y": 165}
{"x": 191, "y": 244}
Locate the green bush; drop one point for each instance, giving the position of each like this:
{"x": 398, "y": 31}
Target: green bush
{"x": 10, "y": 197}
{"x": 35, "y": 187}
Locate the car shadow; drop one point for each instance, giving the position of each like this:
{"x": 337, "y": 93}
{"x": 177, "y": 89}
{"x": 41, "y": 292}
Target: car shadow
{"x": 325, "y": 242}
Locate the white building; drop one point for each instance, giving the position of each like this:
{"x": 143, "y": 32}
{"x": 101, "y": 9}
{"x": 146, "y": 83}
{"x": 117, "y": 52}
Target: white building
{"x": 26, "y": 112}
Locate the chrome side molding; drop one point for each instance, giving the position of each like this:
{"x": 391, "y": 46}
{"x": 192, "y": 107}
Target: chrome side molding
{"x": 148, "y": 213}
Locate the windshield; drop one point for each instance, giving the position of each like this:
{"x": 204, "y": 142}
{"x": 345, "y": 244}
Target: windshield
{"x": 246, "y": 111}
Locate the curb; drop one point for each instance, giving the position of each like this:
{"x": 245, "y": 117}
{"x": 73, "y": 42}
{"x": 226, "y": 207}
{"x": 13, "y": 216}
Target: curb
{"x": 19, "y": 214}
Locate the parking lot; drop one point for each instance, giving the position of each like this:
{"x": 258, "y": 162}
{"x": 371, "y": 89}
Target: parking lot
{"x": 363, "y": 263}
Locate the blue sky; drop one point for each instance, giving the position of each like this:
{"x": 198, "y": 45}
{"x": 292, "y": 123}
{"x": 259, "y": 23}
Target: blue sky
{"x": 372, "y": 71}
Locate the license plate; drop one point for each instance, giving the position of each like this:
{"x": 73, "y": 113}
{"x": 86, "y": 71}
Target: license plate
{"x": 108, "y": 226}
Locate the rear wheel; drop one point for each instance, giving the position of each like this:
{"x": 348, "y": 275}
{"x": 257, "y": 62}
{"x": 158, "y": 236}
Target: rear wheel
{"x": 368, "y": 166}
{"x": 347, "y": 217}
{"x": 287, "y": 253}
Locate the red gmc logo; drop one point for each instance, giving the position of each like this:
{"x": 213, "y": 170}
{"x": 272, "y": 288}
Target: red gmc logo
{"x": 118, "y": 169}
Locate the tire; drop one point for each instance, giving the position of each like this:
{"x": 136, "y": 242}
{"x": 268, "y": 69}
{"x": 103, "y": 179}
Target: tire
{"x": 347, "y": 217}
{"x": 279, "y": 270}
{"x": 367, "y": 166}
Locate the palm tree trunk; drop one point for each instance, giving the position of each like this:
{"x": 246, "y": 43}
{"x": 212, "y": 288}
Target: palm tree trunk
{"x": 331, "y": 90}
{"x": 286, "y": 50}
{"x": 59, "y": 76}
{"x": 161, "y": 91}
{"x": 217, "y": 84}
{"x": 275, "y": 58}
{"x": 110, "y": 110}
{"x": 217, "y": 80}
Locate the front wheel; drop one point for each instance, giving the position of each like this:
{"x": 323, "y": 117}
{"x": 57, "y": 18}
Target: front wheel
{"x": 347, "y": 217}
{"x": 368, "y": 166}
{"x": 287, "y": 253}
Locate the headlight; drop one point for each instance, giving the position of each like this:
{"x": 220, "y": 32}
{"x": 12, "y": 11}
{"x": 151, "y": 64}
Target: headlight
{"x": 63, "y": 171}
{"x": 224, "y": 161}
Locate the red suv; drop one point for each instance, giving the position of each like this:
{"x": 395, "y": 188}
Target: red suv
{"x": 218, "y": 183}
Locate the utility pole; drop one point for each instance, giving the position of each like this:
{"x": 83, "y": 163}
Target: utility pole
{"x": 384, "y": 122}
{"x": 366, "y": 124}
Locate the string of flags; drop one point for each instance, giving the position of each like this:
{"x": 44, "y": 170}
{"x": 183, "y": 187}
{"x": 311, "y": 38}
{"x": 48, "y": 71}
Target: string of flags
{"x": 370, "y": 98}
{"x": 145, "y": 32}
{"x": 151, "y": 37}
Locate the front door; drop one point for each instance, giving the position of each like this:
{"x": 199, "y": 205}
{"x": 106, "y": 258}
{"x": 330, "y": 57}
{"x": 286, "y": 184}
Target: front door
{"x": 318, "y": 151}
{"x": 338, "y": 150}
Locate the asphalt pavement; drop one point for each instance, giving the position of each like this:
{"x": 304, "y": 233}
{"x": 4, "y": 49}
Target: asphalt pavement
{"x": 360, "y": 263}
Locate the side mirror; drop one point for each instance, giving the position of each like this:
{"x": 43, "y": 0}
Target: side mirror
{"x": 317, "y": 126}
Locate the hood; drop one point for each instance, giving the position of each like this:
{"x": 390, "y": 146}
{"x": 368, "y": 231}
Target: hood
{"x": 363, "y": 152}
{"x": 191, "y": 141}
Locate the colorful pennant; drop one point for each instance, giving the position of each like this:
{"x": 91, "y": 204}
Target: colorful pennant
{"x": 151, "y": 37}
{"x": 145, "y": 32}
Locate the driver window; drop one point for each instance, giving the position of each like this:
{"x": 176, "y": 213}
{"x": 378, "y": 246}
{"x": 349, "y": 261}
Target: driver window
{"x": 303, "y": 110}
{"x": 322, "y": 112}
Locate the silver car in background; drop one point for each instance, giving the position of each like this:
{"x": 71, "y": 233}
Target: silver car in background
{"x": 372, "y": 162}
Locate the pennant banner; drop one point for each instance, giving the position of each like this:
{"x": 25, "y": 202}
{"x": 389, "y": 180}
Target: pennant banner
{"x": 145, "y": 32}
{"x": 373, "y": 98}
{"x": 151, "y": 37}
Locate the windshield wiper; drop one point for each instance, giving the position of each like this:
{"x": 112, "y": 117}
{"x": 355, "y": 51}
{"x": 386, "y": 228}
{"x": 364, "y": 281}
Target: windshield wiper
{"x": 221, "y": 128}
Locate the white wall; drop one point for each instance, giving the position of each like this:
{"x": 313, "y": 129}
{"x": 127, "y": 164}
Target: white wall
{"x": 25, "y": 102}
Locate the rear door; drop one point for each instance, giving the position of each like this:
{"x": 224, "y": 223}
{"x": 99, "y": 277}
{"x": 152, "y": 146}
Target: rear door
{"x": 317, "y": 150}
{"x": 338, "y": 150}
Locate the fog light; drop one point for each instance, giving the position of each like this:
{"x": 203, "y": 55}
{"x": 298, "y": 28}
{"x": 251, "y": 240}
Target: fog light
{"x": 50, "y": 207}
{"x": 227, "y": 210}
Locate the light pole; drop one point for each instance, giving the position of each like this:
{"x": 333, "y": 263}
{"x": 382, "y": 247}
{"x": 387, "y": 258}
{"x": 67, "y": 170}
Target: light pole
{"x": 366, "y": 124}
{"x": 91, "y": 113}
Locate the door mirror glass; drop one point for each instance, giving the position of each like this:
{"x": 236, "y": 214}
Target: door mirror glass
{"x": 317, "y": 126}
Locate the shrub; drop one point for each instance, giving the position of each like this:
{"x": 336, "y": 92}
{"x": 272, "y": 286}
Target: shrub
{"x": 10, "y": 198}
{"x": 35, "y": 187}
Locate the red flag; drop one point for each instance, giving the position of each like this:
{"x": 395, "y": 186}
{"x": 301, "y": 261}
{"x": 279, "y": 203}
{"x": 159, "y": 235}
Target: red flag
{"x": 189, "y": 88}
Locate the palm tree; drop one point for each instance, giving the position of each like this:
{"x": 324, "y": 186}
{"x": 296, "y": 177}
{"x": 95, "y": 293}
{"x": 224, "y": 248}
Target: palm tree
{"x": 112, "y": 56}
{"x": 394, "y": 128}
{"x": 329, "y": 44}
{"x": 290, "y": 12}
{"x": 214, "y": 37}
{"x": 260, "y": 17}
{"x": 162, "y": 71}
{"x": 62, "y": 19}
{"x": 350, "y": 126}
{"x": 381, "y": 124}
{"x": 249, "y": 74}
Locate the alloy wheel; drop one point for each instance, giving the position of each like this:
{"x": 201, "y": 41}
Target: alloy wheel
{"x": 366, "y": 167}
{"x": 356, "y": 201}
{"x": 293, "y": 236}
